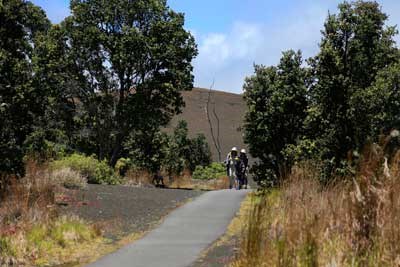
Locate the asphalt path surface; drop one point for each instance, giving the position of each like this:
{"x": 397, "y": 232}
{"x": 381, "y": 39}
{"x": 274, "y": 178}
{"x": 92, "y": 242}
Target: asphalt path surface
{"x": 184, "y": 234}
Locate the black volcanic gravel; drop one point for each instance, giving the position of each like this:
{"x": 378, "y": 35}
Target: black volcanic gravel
{"x": 125, "y": 209}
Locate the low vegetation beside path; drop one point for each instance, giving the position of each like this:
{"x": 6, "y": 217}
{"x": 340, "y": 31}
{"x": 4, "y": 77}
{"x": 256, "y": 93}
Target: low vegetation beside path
{"x": 52, "y": 216}
{"x": 32, "y": 232}
{"x": 350, "y": 223}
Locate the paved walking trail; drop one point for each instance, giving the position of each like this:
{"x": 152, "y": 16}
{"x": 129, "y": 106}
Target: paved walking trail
{"x": 184, "y": 234}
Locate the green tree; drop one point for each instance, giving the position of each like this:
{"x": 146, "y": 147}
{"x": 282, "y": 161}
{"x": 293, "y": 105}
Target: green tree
{"x": 199, "y": 153}
{"x": 355, "y": 46}
{"x": 57, "y": 74}
{"x": 126, "y": 63}
{"x": 193, "y": 151}
{"x": 177, "y": 150}
{"x": 276, "y": 101}
{"x": 182, "y": 140}
{"x": 148, "y": 152}
{"x": 173, "y": 152}
{"x": 378, "y": 106}
{"x": 174, "y": 163}
{"x": 22, "y": 100}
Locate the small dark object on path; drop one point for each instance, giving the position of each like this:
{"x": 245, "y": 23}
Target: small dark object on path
{"x": 158, "y": 181}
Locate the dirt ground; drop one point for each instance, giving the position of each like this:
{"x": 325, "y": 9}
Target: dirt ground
{"x": 122, "y": 210}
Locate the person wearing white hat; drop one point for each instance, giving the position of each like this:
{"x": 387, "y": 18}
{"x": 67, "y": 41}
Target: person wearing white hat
{"x": 230, "y": 163}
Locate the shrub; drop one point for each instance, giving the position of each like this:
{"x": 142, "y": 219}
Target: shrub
{"x": 214, "y": 171}
{"x": 96, "y": 172}
{"x": 199, "y": 152}
{"x": 69, "y": 178}
{"x": 122, "y": 166}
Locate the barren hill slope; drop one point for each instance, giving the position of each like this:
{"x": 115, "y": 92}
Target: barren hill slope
{"x": 230, "y": 109}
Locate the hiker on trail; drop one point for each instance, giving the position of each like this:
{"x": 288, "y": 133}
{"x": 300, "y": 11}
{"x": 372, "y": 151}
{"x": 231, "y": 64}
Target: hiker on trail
{"x": 240, "y": 173}
{"x": 245, "y": 160}
{"x": 231, "y": 162}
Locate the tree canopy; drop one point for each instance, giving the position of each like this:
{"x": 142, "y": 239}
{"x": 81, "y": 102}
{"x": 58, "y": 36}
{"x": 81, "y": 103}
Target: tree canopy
{"x": 276, "y": 100}
{"x": 21, "y": 101}
{"x": 131, "y": 60}
{"x": 348, "y": 95}
{"x": 110, "y": 72}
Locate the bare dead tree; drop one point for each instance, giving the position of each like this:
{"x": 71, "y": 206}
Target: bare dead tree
{"x": 214, "y": 137}
{"x": 218, "y": 132}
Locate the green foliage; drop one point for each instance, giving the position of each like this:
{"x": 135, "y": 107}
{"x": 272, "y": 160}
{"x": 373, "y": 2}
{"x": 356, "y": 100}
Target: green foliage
{"x": 59, "y": 232}
{"x": 345, "y": 110}
{"x": 39, "y": 147}
{"x": 108, "y": 76}
{"x": 37, "y": 237}
{"x": 377, "y": 107}
{"x": 178, "y": 149}
{"x": 199, "y": 153}
{"x": 174, "y": 162}
{"x": 184, "y": 152}
{"x": 214, "y": 171}
{"x": 276, "y": 100}
{"x": 121, "y": 66}
{"x": 62, "y": 233}
{"x": 123, "y": 165}
{"x": 328, "y": 112}
{"x": 148, "y": 150}
{"x": 21, "y": 99}
{"x": 173, "y": 153}
{"x": 6, "y": 248}
{"x": 97, "y": 172}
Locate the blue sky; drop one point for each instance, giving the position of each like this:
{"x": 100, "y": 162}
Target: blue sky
{"x": 232, "y": 35}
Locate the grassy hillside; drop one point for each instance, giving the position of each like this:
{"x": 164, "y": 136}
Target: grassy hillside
{"x": 230, "y": 109}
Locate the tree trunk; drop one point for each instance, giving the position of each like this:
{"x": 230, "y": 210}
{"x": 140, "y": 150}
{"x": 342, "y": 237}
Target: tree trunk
{"x": 116, "y": 152}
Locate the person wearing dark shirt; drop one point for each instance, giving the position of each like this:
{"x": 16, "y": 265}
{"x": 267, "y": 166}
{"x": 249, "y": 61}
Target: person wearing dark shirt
{"x": 245, "y": 160}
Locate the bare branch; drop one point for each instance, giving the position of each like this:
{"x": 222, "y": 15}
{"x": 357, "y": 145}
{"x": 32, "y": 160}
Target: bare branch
{"x": 207, "y": 109}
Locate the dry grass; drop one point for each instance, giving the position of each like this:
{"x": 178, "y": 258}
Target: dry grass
{"x": 135, "y": 177}
{"x": 142, "y": 178}
{"x": 31, "y": 232}
{"x": 353, "y": 223}
{"x": 68, "y": 178}
{"x": 30, "y": 199}
{"x": 185, "y": 181}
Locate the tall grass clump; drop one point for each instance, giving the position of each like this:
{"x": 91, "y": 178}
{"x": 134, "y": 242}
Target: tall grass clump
{"x": 31, "y": 231}
{"x": 69, "y": 178}
{"x": 352, "y": 222}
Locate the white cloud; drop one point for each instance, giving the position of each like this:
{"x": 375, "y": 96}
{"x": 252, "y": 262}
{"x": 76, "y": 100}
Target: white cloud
{"x": 217, "y": 49}
{"x": 229, "y": 57}
{"x": 220, "y": 55}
